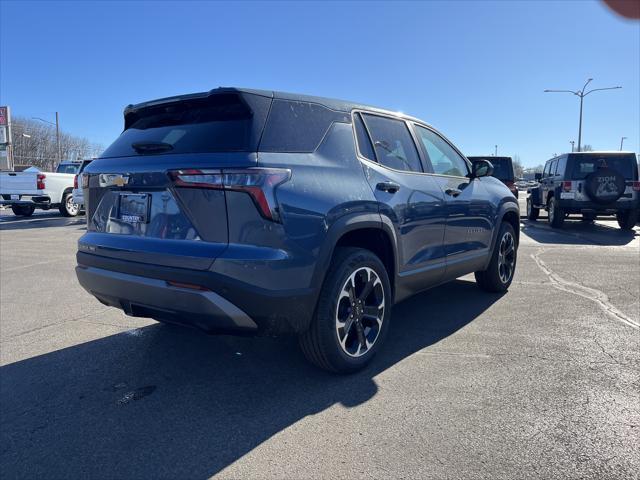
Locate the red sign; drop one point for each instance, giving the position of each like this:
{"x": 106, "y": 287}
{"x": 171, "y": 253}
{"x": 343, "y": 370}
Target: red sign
{"x": 3, "y": 116}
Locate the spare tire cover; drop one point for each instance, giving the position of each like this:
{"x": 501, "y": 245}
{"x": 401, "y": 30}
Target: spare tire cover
{"x": 604, "y": 185}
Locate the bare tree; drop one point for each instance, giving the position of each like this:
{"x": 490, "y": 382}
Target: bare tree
{"x": 586, "y": 148}
{"x": 34, "y": 144}
{"x": 518, "y": 168}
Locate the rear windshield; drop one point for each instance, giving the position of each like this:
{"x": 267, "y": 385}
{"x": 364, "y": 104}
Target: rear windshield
{"x": 583, "y": 165}
{"x": 68, "y": 168}
{"x": 502, "y": 167}
{"x": 228, "y": 122}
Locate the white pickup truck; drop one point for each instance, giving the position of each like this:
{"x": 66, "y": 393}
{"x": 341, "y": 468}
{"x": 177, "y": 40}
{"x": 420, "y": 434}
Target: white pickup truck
{"x": 25, "y": 191}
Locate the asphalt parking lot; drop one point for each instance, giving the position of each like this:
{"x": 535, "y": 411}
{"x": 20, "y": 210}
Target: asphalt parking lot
{"x": 540, "y": 382}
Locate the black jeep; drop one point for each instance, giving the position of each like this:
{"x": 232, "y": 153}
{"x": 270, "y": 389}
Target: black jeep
{"x": 590, "y": 184}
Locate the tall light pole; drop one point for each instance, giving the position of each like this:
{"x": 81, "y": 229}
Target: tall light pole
{"x": 581, "y": 94}
{"x": 621, "y": 142}
{"x": 496, "y": 154}
{"x": 572, "y": 144}
{"x": 57, "y": 124}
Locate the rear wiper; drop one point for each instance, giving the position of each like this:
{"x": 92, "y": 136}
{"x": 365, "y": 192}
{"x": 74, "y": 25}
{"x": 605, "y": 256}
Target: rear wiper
{"x": 151, "y": 147}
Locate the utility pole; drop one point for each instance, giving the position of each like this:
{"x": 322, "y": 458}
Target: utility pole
{"x": 581, "y": 94}
{"x": 572, "y": 144}
{"x": 621, "y": 142}
{"x": 496, "y": 154}
{"x": 58, "y": 138}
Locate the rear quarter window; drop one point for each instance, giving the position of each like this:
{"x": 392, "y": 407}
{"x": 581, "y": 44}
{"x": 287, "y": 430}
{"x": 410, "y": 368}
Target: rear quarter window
{"x": 295, "y": 126}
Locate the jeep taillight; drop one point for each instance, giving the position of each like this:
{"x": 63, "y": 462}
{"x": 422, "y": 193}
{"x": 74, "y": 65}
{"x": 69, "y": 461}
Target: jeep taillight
{"x": 75, "y": 181}
{"x": 636, "y": 186}
{"x": 567, "y": 185}
{"x": 84, "y": 180}
{"x": 40, "y": 181}
{"x": 259, "y": 183}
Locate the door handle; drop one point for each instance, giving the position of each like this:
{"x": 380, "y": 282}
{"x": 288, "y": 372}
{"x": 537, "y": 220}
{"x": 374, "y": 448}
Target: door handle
{"x": 389, "y": 187}
{"x": 453, "y": 192}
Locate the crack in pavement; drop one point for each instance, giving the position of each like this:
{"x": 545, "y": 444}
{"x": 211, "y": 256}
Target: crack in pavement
{"x": 597, "y": 296}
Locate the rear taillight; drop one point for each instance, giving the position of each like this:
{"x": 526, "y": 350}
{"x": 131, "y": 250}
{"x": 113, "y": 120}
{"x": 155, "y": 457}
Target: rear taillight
{"x": 636, "y": 186}
{"x": 75, "y": 181}
{"x": 40, "y": 181}
{"x": 84, "y": 179}
{"x": 259, "y": 183}
{"x": 567, "y": 185}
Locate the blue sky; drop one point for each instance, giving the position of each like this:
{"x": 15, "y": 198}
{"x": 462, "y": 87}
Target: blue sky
{"x": 475, "y": 70}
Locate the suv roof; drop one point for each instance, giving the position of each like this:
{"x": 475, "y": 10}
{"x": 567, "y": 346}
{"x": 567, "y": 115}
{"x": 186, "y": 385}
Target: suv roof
{"x": 332, "y": 103}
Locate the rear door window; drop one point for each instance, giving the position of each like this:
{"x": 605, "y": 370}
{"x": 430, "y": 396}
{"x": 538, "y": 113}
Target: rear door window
{"x": 392, "y": 142}
{"x": 223, "y": 122}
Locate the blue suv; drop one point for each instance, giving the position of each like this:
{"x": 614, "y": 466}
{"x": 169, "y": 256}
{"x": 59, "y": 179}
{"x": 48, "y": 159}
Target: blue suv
{"x": 263, "y": 212}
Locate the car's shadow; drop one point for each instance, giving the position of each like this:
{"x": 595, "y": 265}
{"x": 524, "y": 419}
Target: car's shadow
{"x": 576, "y": 232}
{"x": 166, "y": 402}
{"x": 39, "y": 220}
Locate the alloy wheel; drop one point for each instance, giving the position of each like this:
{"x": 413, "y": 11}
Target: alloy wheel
{"x": 506, "y": 257}
{"x": 360, "y": 312}
{"x": 72, "y": 208}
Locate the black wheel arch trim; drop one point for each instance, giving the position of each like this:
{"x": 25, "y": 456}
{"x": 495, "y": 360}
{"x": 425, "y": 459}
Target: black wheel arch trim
{"x": 506, "y": 207}
{"x": 349, "y": 223}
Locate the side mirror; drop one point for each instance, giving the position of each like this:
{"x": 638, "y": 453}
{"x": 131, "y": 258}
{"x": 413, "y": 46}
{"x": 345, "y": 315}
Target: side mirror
{"x": 538, "y": 176}
{"x": 481, "y": 168}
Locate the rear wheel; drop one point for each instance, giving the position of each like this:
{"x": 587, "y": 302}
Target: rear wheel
{"x": 556, "y": 214}
{"x": 22, "y": 210}
{"x": 532, "y": 212}
{"x": 352, "y": 315}
{"x": 499, "y": 274}
{"x": 68, "y": 207}
{"x": 627, "y": 219}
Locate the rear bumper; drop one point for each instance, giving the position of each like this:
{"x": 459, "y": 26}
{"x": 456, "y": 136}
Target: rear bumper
{"x": 31, "y": 200}
{"x": 145, "y": 287}
{"x": 573, "y": 206}
{"x": 148, "y": 297}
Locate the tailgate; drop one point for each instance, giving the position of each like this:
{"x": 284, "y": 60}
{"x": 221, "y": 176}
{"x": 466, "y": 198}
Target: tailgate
{"x": 18, "y": 183}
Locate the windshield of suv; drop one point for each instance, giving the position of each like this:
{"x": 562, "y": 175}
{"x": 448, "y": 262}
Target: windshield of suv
{"x": 218, "y": 123}
{"x": 584, "y": 165}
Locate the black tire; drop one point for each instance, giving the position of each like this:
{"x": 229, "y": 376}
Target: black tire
{"x": 321, "y": 344}
{"x": 67, "y": 208}
{"x": 627, "y": 219}
{"x": 495, "y": 277}
{"x": 532, "y": 212}
{"x": 556, "y": 214}
{"x": 22, "y": 210}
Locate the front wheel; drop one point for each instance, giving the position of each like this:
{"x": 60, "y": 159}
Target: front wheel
{"x": 68, "y": 208}
{"x": 499, "y": 274}
{"x": 627, "y": 219}
{"x": 352, "y": 315}
{"x": 532, "y": 212}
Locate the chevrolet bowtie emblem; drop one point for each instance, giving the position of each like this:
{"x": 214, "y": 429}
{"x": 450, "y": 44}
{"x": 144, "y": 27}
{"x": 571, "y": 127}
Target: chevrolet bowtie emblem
{"x": 113, "y": 179}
